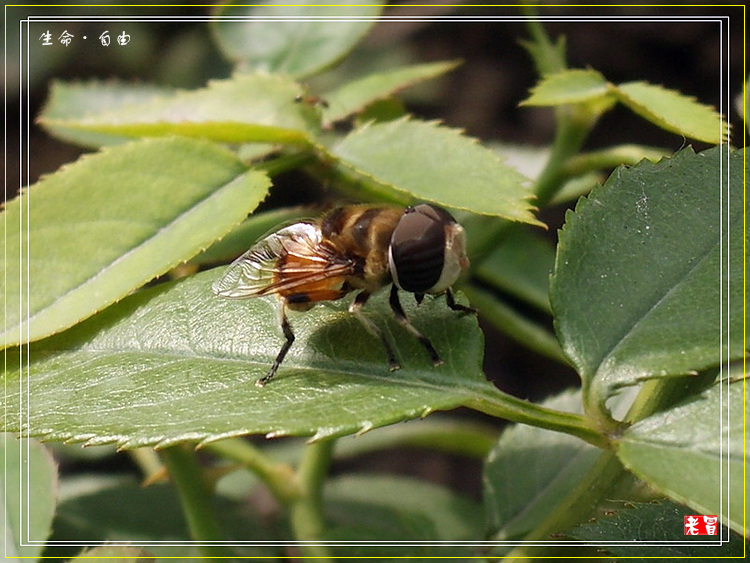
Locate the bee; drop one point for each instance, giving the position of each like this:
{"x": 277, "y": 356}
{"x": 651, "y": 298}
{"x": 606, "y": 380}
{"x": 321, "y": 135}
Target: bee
{"x": 362, "y": 248}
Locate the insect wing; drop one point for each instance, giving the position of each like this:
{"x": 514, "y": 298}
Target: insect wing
{"x": 287, "y": 259}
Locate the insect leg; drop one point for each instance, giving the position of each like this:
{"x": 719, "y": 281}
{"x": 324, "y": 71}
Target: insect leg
{"x": 402, "y": 318}
{"x": 289, "y": 335}
{"x": 449, "y": 299}
{"x": 356, "y": 308}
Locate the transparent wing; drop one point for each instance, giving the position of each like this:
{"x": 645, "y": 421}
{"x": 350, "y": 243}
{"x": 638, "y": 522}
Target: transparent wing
{"x": 291, "y": 258}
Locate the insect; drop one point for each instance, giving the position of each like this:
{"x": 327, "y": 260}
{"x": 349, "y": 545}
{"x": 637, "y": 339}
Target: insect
{"x": 310, "y": 100}
{"x": 361, "y": 248}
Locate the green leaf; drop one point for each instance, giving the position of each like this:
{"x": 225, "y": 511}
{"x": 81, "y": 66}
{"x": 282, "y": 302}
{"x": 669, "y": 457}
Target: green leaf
{"x": 78, "y": 100}
{"x": 673, "y": 111}
{"x": 177, "y": 363}
{"x": 115, "y": 554}
{"x": 655, "y": 531}
{"x": 84, "y": 237}
{"x": 568, "y": 87}
{"x": 438, "y": 164}
{"x": 531, "y": 470}
{"x": 509, "y": 268}
{"x": 637, "y": 290}
{"x": 30, "y": 497}
{"x": 298, "y": 40}
{"x": 387, "y": 510}
{"x": 355, "y": 95}
{"x": 255, "y": 107}
{"x": 665, "y": 108}
{"x": 694, "y": 453}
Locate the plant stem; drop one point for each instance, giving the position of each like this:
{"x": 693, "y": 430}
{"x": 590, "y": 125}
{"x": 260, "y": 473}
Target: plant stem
{"x": 308, "y": 522}
{"x": 494, "y": 402}
{"x": 195, "y": 498}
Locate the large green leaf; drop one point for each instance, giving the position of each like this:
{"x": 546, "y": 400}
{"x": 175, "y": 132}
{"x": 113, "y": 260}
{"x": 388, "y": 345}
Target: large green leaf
{"x": 531, "y": 470}
{"x": 177, "y": 363}
{"x": 695, "y": 453}
{"x": 256, "y": 107}
{"x": 640, "y": 271}
{"x": 655, "y": 532}
{"x": 84, "y": 237}
{"x": 298, "y": 39}
{"x": 30, "y": 497}
{"x": 439, "y": 164}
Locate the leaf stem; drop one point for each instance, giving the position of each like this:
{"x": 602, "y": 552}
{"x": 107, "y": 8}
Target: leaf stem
{"x": 494, "y": 402}
{"x": 279, "y": 477}
{"x": 195, "y": 498}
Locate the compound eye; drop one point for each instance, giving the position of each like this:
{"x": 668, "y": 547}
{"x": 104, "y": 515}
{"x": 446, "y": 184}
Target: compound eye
{"x": 417, "y": 251}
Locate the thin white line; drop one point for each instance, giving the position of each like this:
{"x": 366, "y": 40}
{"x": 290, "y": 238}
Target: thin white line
{"x": 467, "y": 19}
{"x": 332, "y": 18}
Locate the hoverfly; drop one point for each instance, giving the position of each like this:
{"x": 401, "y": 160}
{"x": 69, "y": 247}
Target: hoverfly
{"x": 362, "y": 248}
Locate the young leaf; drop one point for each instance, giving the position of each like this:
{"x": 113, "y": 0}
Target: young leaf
{"x": 637, "y": 290}
{"x": 355, "y": 95}
{"x": 531, "y": 470}
{"x": 30, "y": 497}
{"x": 176, "y": 363}
{"x": 78, "y": 100}
{"x": 255, "y": 107}
{"x": 655, "y": 529}
{"x": 84, "y": 237}
{"x": 298, "y": 40}
{"x": 438, "y": 164}
{"x": 568, "y": 87}
{"x": 694, "y": 453}
{"x": 674, "y": 112}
